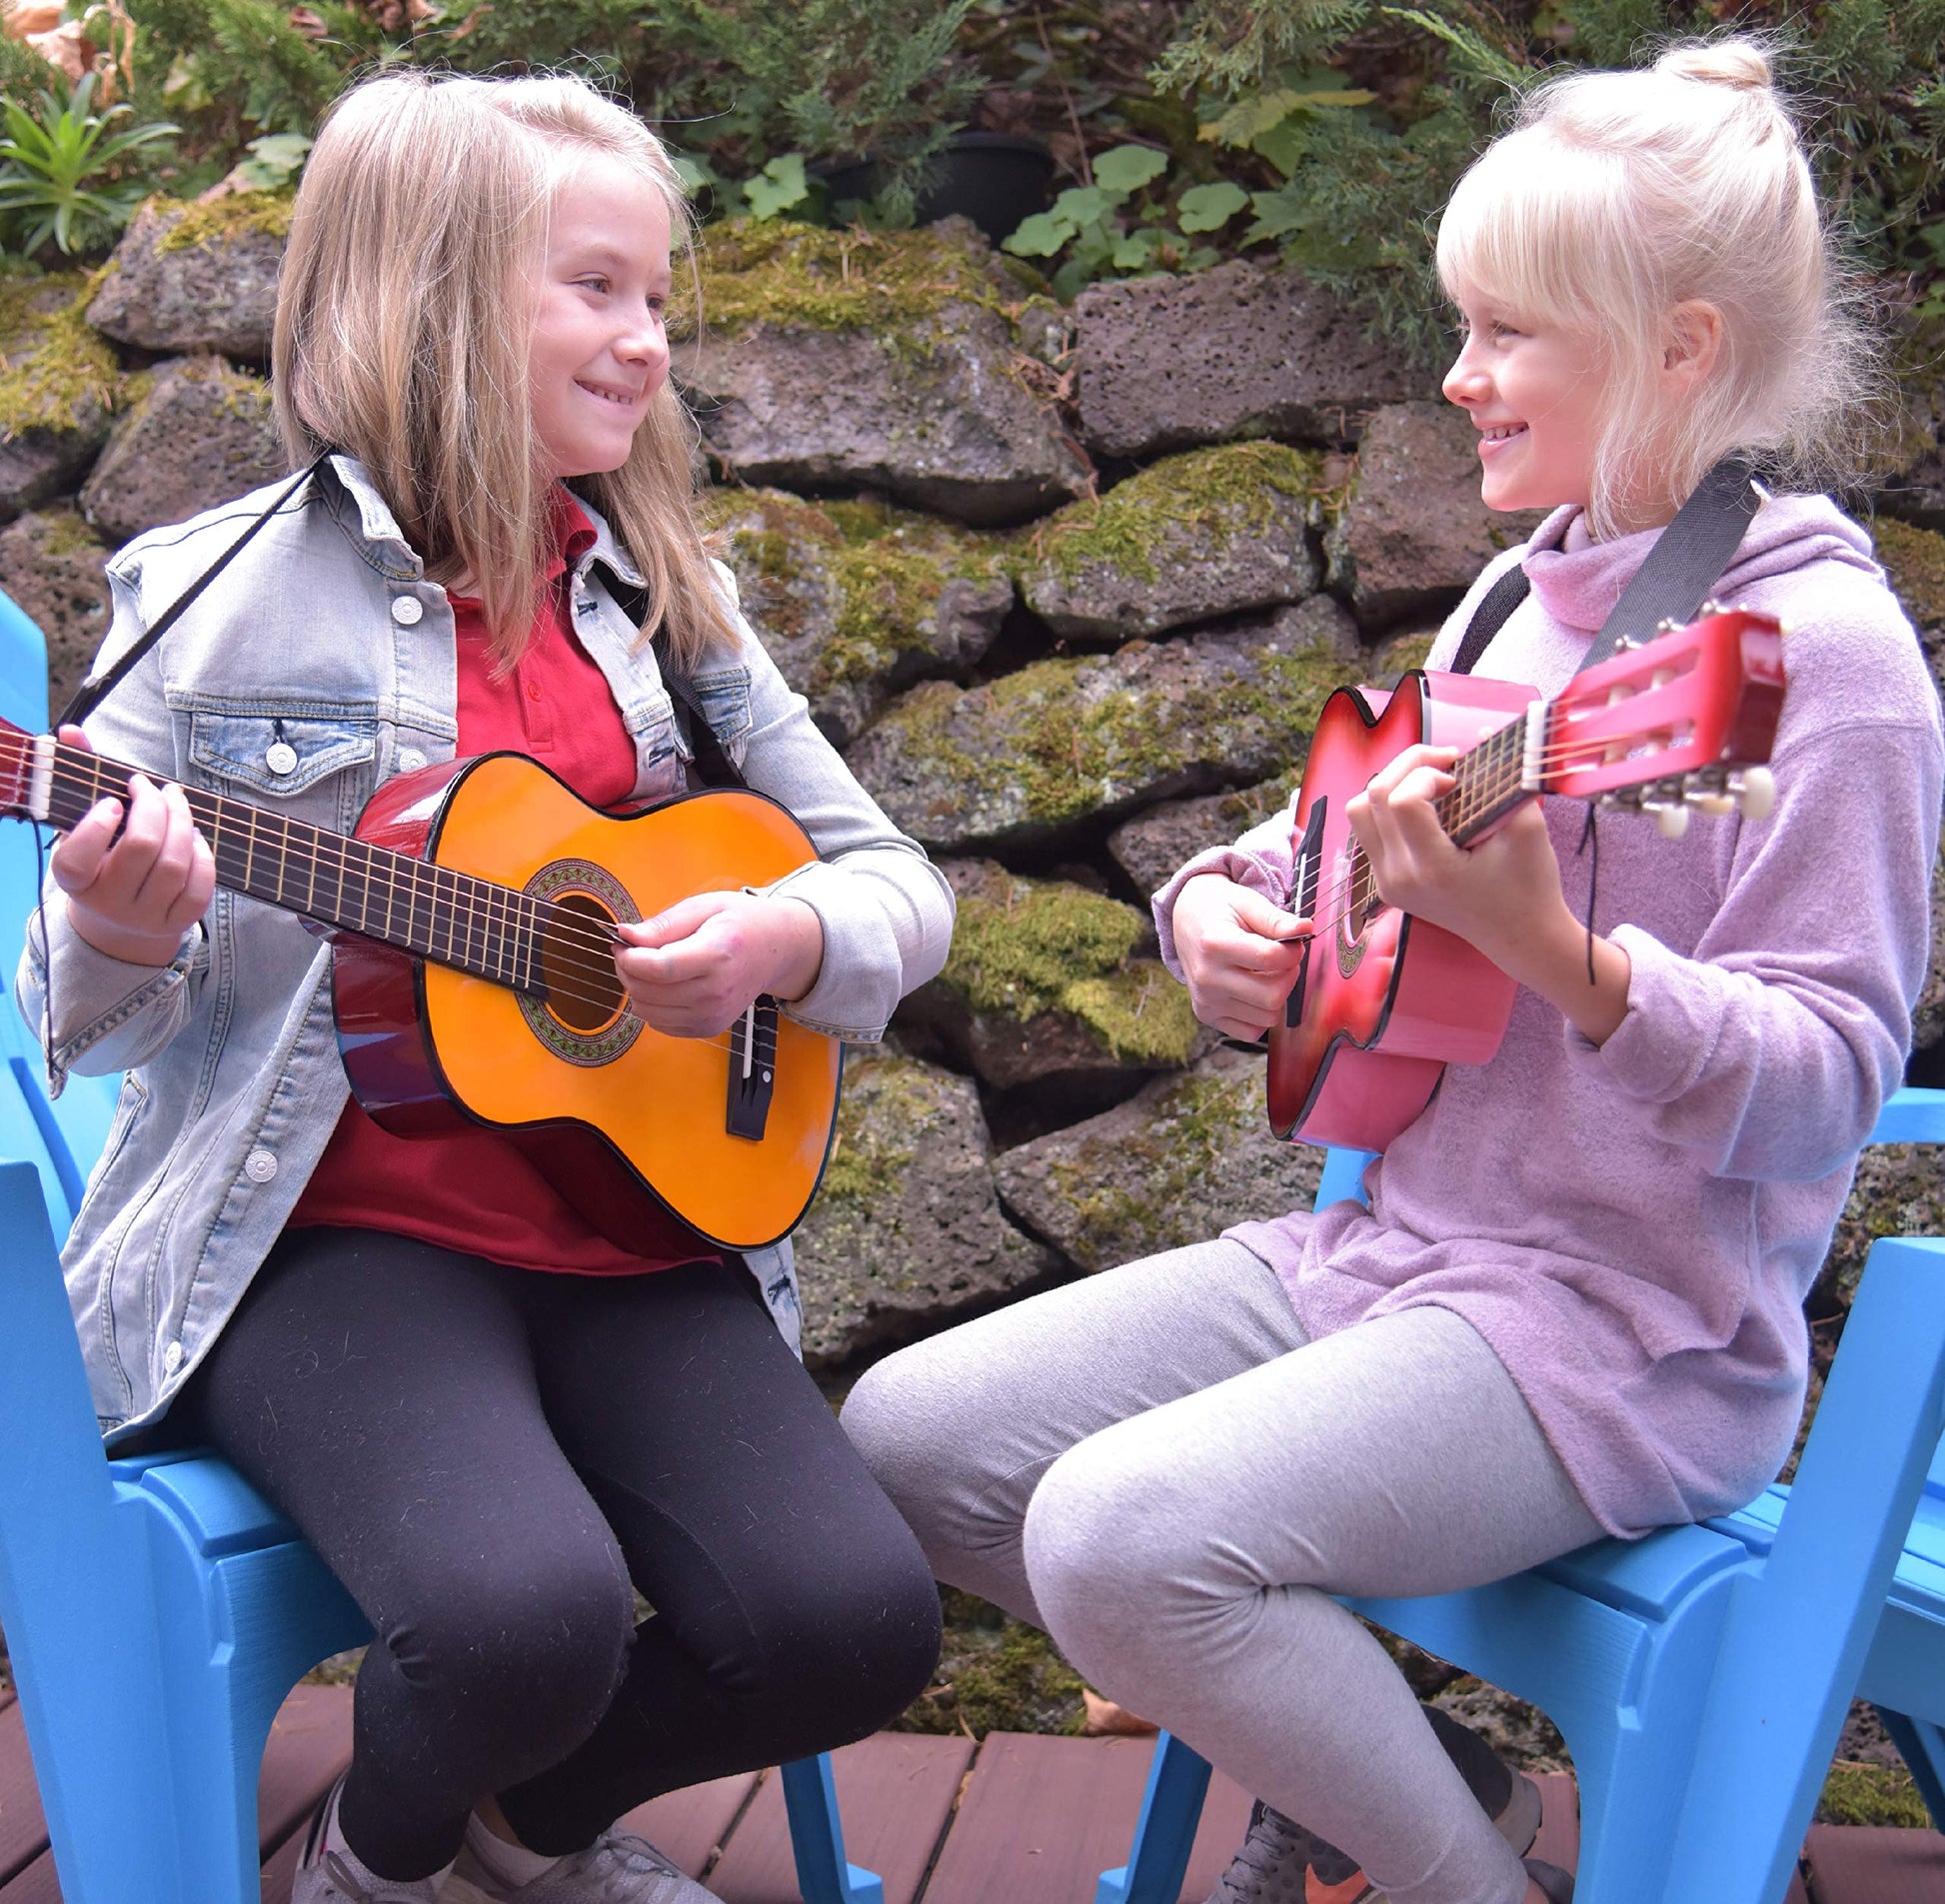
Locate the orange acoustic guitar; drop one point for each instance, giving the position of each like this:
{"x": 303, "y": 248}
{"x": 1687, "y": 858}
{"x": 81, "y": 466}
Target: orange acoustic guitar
{"x": 1382, "y": 1003}
{"x": 472, "y": 917}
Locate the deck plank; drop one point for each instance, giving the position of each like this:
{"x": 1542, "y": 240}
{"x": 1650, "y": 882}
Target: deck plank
{"x": 1041, "y": 1818}
{"x": 1559, "y": 1839}
{"x": 1875, "y": 1864}
{"x": 23, "y": 1828}
{"x": 895, "y": 1794}
{"x": 688, "y": 1827}
{"x": 309, "y": 1744}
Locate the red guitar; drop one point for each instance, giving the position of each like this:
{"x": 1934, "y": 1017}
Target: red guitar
{"x": 1383, "y": 1001}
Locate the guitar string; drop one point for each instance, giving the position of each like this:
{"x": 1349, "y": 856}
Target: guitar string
{"x": 384, "y": 899}
{"x": 493, "y": 904}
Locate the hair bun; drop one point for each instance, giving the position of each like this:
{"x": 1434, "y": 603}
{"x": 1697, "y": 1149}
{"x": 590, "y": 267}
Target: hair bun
{"x": 1739, "y": 62}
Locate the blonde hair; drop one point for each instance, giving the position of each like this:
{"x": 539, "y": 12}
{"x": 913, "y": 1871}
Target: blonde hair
{"x": 404, "y": 322}
{"x": 1618, "y": 197}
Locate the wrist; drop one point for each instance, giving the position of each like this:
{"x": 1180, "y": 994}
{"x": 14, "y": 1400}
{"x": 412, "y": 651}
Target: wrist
{"x": 800, "y": 961}
{"x": 119, "y": 942}
{"x": 1585, "y": 978}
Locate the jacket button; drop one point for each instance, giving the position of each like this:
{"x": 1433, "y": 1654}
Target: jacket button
{"x": 409, "y": 760}
{"x": 281, "y": 758}
{"x": 407, "y": 609}
{"x": 172, "y": 1358}
{"x": 260, "y": 1167}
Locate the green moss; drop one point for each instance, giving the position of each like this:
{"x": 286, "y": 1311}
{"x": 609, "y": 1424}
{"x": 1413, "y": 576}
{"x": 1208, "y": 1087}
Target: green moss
{"x": 1132, "y": 1208}
{"x": 1140, "y": 1013}
{"x": 1857, "y": 1794}
{"x": 1018, "y": 947}
{"x": 57, "y": 366}
{"x": 1070, "y": 753}
{"x": 1915, "y": 560}
{"x": 887, "y": 570}
{"x": 202, "y": 225}
{"x": 882, "y": 1093}
{"x": 996, "y": 1674}
{"x": 1208, "y": 496}
{"x": 775, "y": 272}
{"x": 63, "y": 533}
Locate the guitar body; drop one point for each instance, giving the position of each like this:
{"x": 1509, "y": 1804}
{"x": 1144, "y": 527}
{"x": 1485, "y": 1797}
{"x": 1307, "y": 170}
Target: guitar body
{"x": 1384, "y": 1001}
{"x": 620, "y": 1117}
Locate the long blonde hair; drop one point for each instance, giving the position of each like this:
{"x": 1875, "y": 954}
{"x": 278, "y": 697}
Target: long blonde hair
{"x": 404, "y": 321}
{"x": 1618, "y": 197}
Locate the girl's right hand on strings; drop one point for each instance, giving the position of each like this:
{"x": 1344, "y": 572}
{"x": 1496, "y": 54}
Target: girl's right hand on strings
{"x": 1240, "y": 952}
{"x": 135, "y": 888}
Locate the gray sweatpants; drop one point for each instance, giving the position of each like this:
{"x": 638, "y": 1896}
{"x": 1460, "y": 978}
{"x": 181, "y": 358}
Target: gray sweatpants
{"x": 1160, "y": 1469}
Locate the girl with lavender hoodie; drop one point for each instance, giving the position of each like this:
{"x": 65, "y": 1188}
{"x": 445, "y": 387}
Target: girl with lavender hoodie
{"x": 1573, "y": 1306}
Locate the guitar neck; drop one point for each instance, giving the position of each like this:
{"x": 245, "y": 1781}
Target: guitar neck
{"x": 453, "y": 919}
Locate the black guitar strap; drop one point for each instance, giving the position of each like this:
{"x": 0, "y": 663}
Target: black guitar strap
{"x": 1685, "y": 563}
{"x": 710, "y": 763}
{"x": 93, "y": 692}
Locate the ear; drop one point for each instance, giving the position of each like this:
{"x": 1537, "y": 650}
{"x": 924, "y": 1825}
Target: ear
{"x": 1691, "y": 347}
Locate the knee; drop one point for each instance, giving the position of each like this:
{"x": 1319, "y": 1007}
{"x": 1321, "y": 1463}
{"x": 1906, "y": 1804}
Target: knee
{"x": 1118, "y": 1560}
{"x": 853, "y": 1637}
{"x": 529, "y": 1642}
{"x": 892, "y": 1418}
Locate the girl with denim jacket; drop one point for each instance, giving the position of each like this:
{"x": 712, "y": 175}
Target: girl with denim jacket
{"x": 494, "y": 1422}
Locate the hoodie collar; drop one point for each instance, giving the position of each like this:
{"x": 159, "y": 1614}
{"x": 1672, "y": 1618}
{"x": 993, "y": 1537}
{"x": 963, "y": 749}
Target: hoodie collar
{"x": 1578, "y": 581}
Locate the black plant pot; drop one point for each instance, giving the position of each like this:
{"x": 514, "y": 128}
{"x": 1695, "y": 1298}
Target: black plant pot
{"x": 993, "y": 178}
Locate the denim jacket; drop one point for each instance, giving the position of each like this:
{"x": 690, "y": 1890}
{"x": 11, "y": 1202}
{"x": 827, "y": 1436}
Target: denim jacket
{"x": 326, "y": 635}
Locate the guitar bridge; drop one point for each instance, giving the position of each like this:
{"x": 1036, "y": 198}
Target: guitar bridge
{"x": 752, "y": 1070}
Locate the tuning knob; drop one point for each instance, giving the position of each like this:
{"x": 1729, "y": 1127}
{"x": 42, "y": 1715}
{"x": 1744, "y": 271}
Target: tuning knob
{"x": 1709, "y": 799}
{"x": 1670, "y": 817}
{"x": 1754, "y": 788}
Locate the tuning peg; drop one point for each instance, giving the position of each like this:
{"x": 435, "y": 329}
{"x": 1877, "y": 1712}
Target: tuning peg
{"x": 1754, "y": 788}
{"x": 1670, "y": 817}
{"x": 1709, "y": 799}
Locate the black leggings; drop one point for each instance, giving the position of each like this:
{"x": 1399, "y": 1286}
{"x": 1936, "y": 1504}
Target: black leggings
{"x": 487, "y": 1458}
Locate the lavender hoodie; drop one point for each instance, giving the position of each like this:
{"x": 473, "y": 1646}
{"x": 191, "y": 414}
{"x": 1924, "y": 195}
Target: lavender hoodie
{"x": 1633, "y": 1227}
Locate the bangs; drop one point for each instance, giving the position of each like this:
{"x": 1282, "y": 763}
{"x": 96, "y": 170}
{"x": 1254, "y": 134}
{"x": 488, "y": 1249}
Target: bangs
{"x": 1522, "y": 231}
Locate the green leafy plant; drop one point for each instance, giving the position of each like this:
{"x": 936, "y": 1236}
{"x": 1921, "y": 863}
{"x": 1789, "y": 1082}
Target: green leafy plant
{"x": 273, "y": 161}
{"x": 61, "y": 170}
{"x": 1127, "y": 221}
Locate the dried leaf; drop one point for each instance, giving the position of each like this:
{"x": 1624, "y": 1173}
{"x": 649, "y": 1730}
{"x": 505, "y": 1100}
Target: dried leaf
{"x": 1107, "y": 1720}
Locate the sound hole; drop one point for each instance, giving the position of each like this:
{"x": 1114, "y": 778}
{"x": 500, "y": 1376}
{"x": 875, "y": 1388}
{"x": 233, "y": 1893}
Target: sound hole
{"x": 584, "y": 992}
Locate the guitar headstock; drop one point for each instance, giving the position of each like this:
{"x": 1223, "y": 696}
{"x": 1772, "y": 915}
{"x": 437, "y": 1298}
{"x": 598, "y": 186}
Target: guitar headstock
{"x": 1682, "y": 723}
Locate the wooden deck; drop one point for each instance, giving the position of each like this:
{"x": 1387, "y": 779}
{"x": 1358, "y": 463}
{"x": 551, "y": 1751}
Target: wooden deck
{"x": 1015, "y": 1820}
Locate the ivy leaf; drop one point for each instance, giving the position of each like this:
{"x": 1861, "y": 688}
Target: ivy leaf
{"x": 1137, "y": 252}
{"x": 1280, "y": 214}
{"x": 274, "y": 160}
{"x": 780, "y": 185}
{"x": 1246, "y": 122}
{"x": 1126, "y": 169}
{"x": 1208, "y": 208}
{"x": 1083, "y": 205}
{"x": 1039, "y": 236}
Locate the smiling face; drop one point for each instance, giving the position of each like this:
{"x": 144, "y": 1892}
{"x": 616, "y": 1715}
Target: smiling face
{"x": 1533, "y": 392}
{"x": 600, "y": 350}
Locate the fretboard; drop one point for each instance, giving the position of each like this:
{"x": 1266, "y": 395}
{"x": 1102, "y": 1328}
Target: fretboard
{"x": 1486, "y": 783}
{"x": 453, "y": 919}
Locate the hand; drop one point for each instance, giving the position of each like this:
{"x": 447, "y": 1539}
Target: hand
{"x": 134, "y": 895}
{"x": 1500, "y": 894}
{"x": 692, "y": 970}
{"x": 1240, "y": 954}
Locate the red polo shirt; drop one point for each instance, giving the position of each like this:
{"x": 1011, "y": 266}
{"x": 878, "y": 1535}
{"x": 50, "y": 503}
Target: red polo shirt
{"x": 472, "y": 1190}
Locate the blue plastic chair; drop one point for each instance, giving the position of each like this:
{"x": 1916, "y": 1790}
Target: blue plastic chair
{"x": 158, "y": 1611}
{"x": 1701, "y": 1676}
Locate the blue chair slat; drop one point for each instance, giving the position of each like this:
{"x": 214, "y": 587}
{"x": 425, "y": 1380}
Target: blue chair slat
{"x": 1699, "y": 1762}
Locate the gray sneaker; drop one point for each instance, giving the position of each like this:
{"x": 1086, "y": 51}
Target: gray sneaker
{"x": 323, "y": 1876}
{"x": 1282, "y": 1863}
{"x": 618, "y": 1868}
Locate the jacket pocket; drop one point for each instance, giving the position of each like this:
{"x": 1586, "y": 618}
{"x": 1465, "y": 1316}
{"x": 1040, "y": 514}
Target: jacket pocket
{"x": 320, "y": 766}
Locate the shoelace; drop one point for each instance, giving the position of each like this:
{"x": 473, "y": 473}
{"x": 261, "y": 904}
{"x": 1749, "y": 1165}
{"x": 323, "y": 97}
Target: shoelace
{"x": 625, "y": 1859}
{"x": 1274, "y": 1847}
